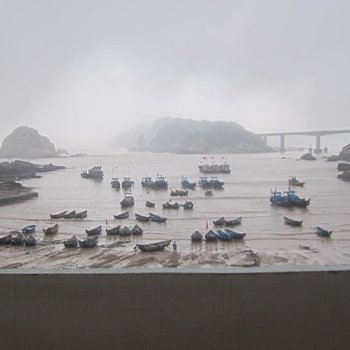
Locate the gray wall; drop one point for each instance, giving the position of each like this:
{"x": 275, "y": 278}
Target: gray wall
{"x": 175, "y": 310}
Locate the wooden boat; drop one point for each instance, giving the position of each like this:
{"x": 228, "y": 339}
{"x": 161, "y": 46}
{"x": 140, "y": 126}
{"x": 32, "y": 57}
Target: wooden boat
{"x": 71, "y": 243}
{"x": 70, "y": 215}
{"x": 168, "y": 205}
{"x": 137, "y": 230}
{"x": 235, "y": 234}
{"x": 157, "y": 218}
{"x": 115, "y": 183}
{"x": 219, "y": 222}
{"x": 293, "y": 181}
{"x": 211, "y": 236}
{"x": 113, "y": 230}
{"x": 292, "y": 222}
{"x": 51, "y": 230}
{"x": 94, "y": 230}
{"x": 152, "y": 247}
{"x": 125, "y": 231}
{"x": 29, "y": 229}
{"x": 323, "y": 232}
{"x": 223, "y": 235}
{"x": 196, "y": 236}
{"x": 143, "y": 218}
{"x": 88, "y": 242}
{"x": 17, "y": 239}
{"x": 59, "y": 215}
{"x": 150, "y": 204}
{"x": 188, "y": 205}
{"x": 127, "y": 201}
{"x": 81, "y": 214}
{"x": 120, "y": 216}
{"x": 30, "y": 241}
{"x": 178, "y": 193}
{"x": 6, "y": 239}
{"x": 233, "y": 222}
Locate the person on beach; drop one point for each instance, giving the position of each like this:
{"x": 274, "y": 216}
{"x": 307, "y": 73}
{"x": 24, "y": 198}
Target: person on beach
{"x": 174, "y": 246}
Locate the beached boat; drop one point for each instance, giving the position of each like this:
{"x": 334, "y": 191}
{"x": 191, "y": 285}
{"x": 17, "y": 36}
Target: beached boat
{"x": 128, "y": 201}
{"x": 150, "y": 204}
{"x": 219, "y": 222}
{"x": 30, "y": 241}
{"x": 71, "y": 242}
{"x": 51, "y": 230}
{"x": 113, "y": 230}
{"x": 94, "y": 230}
{"x": 157, "y": 218}
{"x": 196, "y": 236}
{"x": 323, "y": 232}
{"x": 127, "y": 183}
{"x": 211, "y": 236}
{"x": 59, "y": 215}
{"x": 70, "y": 215}
{"x": 188, "y": 205}
{"x": 81, "y": 214}
{"x": 29, "y": 229}
{"x": 292, "y": 222}
{"x": 152, "y": 247}
{"x": 88, "y": 242}
{"x": 120, "y": 216}
{"x": 115, "y": 183}
{"x": 178, "y": 193}
{"x": 185, "y": 183}
{"x": 125, "y": 231}
{"x": 18, "y": 239}
{"x": 235, "y": 234}
{"x": 143, "y": 218}
{"x": 233, "y": 222}
{"x": 288, "y": 199}
{"x": 223, "y": 235}
{"x": 93, "y": 173}
{"x": 6, "y": 239}
{"x": 168, "y": 205}
{"x": 137, "y": 230}
{"x": 293, "y": 181}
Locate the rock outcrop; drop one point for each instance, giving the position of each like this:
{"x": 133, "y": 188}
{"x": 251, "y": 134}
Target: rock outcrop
{"x": 26, "y": 142}
{"x": 308, "y": 156}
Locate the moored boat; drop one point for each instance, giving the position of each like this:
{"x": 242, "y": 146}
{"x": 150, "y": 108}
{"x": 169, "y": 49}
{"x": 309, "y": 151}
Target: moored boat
{"x": 115, "y": 183}
{"x": 146, "y": 182}
{"x": 185, "y": 183}
{"x": 81, "y": 214}
{"x": 93, "y": 173}
{"x": 219, "y": 222}
{"x": 208, "y": 193}
{"x": 30, "y": 241}
{"x": 113, "y": 230}
{"x": 188, "y": 205}
{"x": 223, "y": 235}
{"x": 168, "y": 205}
{"x": 127, "y": 201}
{"x": 71, "y": 242}
{"x": 292, "y": 222}
{"x": 196, "y": 236}
{"x": 70, "y": 215}
{"x": 58, "y": 215}
{"x": 88, "y": 242}
{"x": 6, "y": 239}
{"x": 233, "y": 222}
{"x": 125, "y": 231}
{"x": 120, "y": 216}
{"x": 137, "y": 230}
{"x": 235, "y": 234}
{"x": 211, "y": 236}
{"x": 216, "y": 183}
{"x": 152, "y": 247}
{"x": 51, "y": 230}
{"x": 143, "y": 218}
{"x": 293, "y": 181}
{"x": 288, "y": 199}
{"x": 150, "y": 204}
{"x": 94, "y": 230}
{"x": 29, "y": 229}
{"x": 157, "y": 218}
{"x": 127, "y": 183}
{"x": 323, "y": 232}
{"x": 18, "y": 239}
{"x": 178, "y": 193}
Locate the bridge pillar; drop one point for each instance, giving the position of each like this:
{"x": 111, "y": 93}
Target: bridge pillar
{"x": 318, "y": 148}
{"x": 283, "y": 145}
{"x": 265, "y": 139}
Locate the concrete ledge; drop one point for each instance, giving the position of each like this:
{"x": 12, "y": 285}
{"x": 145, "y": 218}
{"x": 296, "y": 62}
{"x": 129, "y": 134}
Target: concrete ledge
{"x": 284, "y": 308}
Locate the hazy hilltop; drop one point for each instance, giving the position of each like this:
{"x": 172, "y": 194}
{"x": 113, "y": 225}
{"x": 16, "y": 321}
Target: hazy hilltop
{"x": 26, "y": 142}
{"x": 178, "y": 135}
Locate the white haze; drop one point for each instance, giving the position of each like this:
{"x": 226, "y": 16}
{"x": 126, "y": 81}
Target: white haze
{"x": 83, "y": 71}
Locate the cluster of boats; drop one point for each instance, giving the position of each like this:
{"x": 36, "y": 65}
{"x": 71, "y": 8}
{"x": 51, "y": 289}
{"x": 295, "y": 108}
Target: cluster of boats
{"x": 139, "y": 217}
{"x": 70, "y": 214}
{"x": 210, "y": 182}
{"x": 222, "y": 235}
{"x": 214, "y": 168}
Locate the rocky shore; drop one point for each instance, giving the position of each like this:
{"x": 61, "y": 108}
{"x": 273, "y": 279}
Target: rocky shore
{"x": 11, "y": 191}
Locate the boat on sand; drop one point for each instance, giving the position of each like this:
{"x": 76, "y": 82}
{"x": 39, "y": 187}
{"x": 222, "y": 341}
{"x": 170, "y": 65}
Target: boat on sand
{"x": 152, "y": 247}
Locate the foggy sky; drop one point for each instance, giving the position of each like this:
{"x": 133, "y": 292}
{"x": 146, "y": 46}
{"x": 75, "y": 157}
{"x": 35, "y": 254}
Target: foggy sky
{"x": 82, "y": 71}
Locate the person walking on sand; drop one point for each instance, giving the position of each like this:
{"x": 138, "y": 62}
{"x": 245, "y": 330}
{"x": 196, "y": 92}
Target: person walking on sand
{"x": 174, "y": 246}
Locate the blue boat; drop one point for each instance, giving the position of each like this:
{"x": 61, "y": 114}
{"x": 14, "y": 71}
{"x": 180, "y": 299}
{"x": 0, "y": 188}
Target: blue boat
{"x": 233, "y": 222}
{"x": 288, "y": 199}
{"x": 211, "y": 236}
{"x": 157, "y": 218}
{"x": 185, "y": 183}
{"x": 29, "y": 229}
{"x": 323, "y": 232}
{"x": 235, "y": 234}
{"x": 223, "y": 235}
{"x": 196, "y": 236}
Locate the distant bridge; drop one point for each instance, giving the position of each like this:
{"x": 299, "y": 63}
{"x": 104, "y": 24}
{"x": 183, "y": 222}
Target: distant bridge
{"x": 318, "y": 135}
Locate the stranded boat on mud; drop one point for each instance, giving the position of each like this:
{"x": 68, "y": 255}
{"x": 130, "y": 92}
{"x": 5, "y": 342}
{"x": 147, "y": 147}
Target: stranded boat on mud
{"x": 288, "y": 199}
{"x": 152, "y": 247}
{"x": 292, "y": 222}
{"x": 29, "y": 229}
{"x": 51, "y": 230}
{"x": 71, "y": 242}
{"x": 323, "y": 232}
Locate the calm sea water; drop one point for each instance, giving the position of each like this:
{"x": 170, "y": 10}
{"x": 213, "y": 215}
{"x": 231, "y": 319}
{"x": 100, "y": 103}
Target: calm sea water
{"x": 246, "y": 193}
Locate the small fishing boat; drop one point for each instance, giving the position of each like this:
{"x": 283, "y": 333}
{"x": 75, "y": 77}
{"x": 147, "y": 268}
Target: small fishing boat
{"x": 146, "y": 182}
{"x": 185, "y": 183}
{"x": 150, "y": 204}
{"x": 127, "y": 201}
{"x": 211, "y": 236}
{"x": 51, "y": 230}
{"x": 152, "y": 247}
{"x": 219, "y": 222}
{"x": 160, "y": 183}
{"x": 59, "y": 215}
{"x": 204, "y": 182}
{"x": 178, "y": 193}
{"x": 120, "y": 216}
{"x": 93, "y": 173}
{"x": 216, "y": 183}
{"x": 113, "y": 230}
{"x": 157, "y": 218}
{"x": 292, "y": 222}
{"x": 196, "y": 236}
{"x": 143, "y": 218}
{"x": 88, "y": 242}
{"x": 137, "y": 230}
{"x": 17, "y": 239}
{"x": 71, "y": 243}
{"x": 233, "y": 222}
{"x": 29, "y": 229}
{"x": 188, "y": 205}
{"x": 293, "y": 181}
{"x": 323, "y": 232}
{"x": 235, "y": 234}
{"x": 288, "y": 199}
{"x": 223, "y": 235}
{"x": 30, "y": 241}
{"x": 125, "y": 231}
{"x": 127, "y": 183}
{"x": 94, "y": 230}
{"x": 6, "y": 239}
{"x": 115, "y": 183}
{"x": 168, "y": 205}
{"x": 70, "y": 215}
{"x": 81, "y": 214}
{"x": 208, "y": 193}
